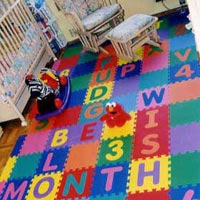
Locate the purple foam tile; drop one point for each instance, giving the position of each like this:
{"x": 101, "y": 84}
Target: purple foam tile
{"x": 163, "y": 34}
{"x": 185, "y": 138}
{"x": 84, "y": 133}
{"x": 34, "y": 143}
{"x": 126, "y": 85}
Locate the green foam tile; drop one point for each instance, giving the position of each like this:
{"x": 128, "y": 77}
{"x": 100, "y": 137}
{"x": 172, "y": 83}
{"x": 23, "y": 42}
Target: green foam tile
{"x": 185, "y": 169}
{"x": 153, "y": 79}
{"x": 185, "y": 112}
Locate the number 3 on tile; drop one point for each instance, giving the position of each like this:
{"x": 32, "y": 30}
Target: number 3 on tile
{"x": 185, "y": 70}
{"x": 117, "y": 151}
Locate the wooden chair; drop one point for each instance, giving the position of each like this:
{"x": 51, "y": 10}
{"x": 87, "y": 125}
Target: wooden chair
{"x": 92, "y": 19}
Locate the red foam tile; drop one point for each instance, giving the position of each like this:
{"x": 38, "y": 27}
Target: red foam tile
{"x": 72, "y": 192}
{"x": 40, "y": 126}
{"x": 68, "y": 62}
{"x": 106, "y": 63}
{"x": 154, "y": 195}
{"x": 110, "y": 49}
{"x": 151, "y": 139}
{"x": 69, "y": 117}
{"x": 33, "y": 110}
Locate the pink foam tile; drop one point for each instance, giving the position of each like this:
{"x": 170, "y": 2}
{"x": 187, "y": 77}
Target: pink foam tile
{"x": 155, "y": 63}
{"x": 153, "y": 97}
{"x": 184, "y": 91}
{"x": 35, "y": 143}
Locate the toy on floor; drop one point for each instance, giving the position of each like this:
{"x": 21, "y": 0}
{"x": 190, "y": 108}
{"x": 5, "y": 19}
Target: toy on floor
{"x": 50, "y": 90}
{"x": 115, "y": 115}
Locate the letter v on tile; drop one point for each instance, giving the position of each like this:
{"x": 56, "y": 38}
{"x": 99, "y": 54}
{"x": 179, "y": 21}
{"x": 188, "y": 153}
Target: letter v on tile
{"x": 183, "y": 57}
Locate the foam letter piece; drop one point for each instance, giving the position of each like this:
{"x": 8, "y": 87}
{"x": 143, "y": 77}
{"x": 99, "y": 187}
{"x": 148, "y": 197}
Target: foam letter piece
{"x": 60, "y": 138}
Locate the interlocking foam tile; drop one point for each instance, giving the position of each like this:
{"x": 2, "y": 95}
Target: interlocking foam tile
{"x": 124, "y": 100}
{"x": 76, "y": 184}
{"x": 77, "y": 98}
{"x": 16, "y": 189}
{"x": 183, "y": 72}
{"x": 159, "y": 77}
{"x": 185, "y": 169}
{"x": 163, "y": 23}
{"x": 69, "y": 117}
{"x": 8, "y": 169}
{"x": 106, "y": 179}
{"x": 106, "y": 63}
{"x": 33, "y": 145}
{"x": 184, "y": 91}
{"x": 155, "y": 63}
{"x": 84, "y": 133}
{"x": 177, "y": 43}
{"x": 68, "y": 62}
{"x": 163, "y": 34}
{"x": 41, "y": 126}
{"x": 18, "y": 145}
{"x": 87, "y": 56}
{"x": 127, "y": 129}
{"x": 186, "y": 193}
{"x": 178, "y": 30}
{"x": 82, "y": 69}
{"x": 178, "y": 18}
{"x": 149, "y": 174}
{"x": 72, "y": 50}
{"x": 52, "y": 161}
{"x": 108, "y": 197}
{"x": 92, "y": 112}
{"x": 182, "y": 141}
{"x": 150, "y": 98}
{"x": 152, "y": 51}
{"x": 127, "y": 85}
{"x": 185, "y": 112}
{"x": 79, "y": 154}
{"x": 152, "y": 133}
{"x": 2, "y": 185}
{"x": 99, "y": 93}
{"x": 25, "y": 166}
{"x": 109, "y": 48}
{"x": 128, "y": 70}
{"x": 122, "y": 146}
{"x": 154, "y": 195}
{"x": 44, "y": 186}
{"x": 103, "y": 76}
{"x": 183, "y": 56}
{"x": 80, "y": 82}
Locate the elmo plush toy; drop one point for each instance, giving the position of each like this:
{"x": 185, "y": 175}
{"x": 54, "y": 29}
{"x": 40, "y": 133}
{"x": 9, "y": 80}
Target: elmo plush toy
{"x": 115, "y": 115}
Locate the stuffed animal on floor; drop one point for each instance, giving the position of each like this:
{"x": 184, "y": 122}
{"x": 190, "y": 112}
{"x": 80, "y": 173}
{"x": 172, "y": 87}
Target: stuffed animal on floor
{"x": 45, "y": 90}
{"x": 115, "y": 115}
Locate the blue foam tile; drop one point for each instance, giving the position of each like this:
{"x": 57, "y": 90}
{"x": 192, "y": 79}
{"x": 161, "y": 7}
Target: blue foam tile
{"x": 54, "y": 160}
{"x": 100, "y": 179}
{"x": 128, "y": 70}
{"x": 18, "y": 145}
{"x": 193, "y": 66}
{"x": 77, "y": 98}
{"x": 181, "y": 192}
{"x": 82, "y": 69}
{"x": 181, "y": 42}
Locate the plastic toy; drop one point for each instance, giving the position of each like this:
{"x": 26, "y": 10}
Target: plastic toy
{"x": 51, "y": 92}
{"x": 115, "y": 115}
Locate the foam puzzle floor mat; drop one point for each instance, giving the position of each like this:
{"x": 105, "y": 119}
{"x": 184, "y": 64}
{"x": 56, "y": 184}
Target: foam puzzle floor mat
{"x": 155, "y": 155}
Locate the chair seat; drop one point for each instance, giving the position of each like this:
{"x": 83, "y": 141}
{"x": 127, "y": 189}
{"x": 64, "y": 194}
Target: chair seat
{"x": 99, "y": 16}
{"x": 130, "y": 27}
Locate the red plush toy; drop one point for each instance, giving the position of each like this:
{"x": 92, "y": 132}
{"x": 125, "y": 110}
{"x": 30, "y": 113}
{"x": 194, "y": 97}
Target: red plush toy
{"x": 115, "y": 115}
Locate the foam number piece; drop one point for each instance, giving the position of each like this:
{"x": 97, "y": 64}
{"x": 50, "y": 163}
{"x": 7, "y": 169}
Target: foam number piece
{"x": 117, "y": 149}
{"x": 185, "y": 70}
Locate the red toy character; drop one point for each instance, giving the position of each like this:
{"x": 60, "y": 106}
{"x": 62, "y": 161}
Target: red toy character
{"x": 115, "y": 115}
